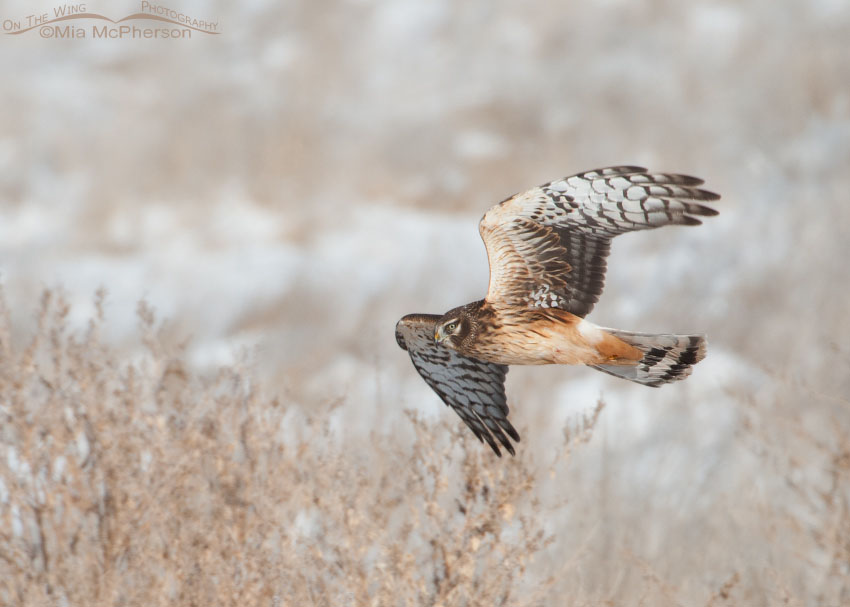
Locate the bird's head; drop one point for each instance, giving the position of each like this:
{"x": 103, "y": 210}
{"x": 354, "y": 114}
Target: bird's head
{"x": 454, "y": 327}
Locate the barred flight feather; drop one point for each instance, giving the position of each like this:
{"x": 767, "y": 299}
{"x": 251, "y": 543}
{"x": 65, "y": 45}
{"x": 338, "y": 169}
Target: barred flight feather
{"x": 473, "y": 388}
{"x": 574, "y": 219}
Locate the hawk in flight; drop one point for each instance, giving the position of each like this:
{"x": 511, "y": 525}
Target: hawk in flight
{"x": 547, "y": 249}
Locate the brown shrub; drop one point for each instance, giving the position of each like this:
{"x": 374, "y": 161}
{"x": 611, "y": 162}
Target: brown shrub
{"x": 139, "y": 483}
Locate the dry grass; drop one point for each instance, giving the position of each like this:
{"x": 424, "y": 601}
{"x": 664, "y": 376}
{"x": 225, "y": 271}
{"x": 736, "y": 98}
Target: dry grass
{"x": 139, "y": 483}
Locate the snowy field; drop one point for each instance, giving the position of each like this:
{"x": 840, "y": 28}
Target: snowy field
{"x": 281, "y": 193}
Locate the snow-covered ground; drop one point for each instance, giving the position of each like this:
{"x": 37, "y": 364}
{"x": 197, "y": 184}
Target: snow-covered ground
{"x": 298, "y": 182}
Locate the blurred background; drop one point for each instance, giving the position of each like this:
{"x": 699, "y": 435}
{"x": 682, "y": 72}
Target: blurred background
{"x": 284, "y": 191}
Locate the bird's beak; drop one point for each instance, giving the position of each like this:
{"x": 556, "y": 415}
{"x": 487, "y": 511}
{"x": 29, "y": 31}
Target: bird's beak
{"x": 438, "y": 335}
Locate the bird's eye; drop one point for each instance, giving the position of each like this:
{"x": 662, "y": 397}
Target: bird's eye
{"x": 451, "y": 327}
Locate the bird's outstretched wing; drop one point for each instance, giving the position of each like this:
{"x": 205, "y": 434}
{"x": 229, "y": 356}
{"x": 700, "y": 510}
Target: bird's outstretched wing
{"x": 548, "y": 246}
{"x": 473, "y": 388}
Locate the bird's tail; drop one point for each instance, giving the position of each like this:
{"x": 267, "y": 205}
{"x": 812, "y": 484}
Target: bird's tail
{"x": 666, "y": 358}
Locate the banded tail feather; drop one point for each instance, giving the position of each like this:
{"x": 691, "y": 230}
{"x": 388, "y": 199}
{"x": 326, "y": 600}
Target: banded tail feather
{"x": 666, "y": 357}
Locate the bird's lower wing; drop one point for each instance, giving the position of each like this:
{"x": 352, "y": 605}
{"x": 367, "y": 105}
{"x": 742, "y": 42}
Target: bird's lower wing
{"x": 473, "y": 388}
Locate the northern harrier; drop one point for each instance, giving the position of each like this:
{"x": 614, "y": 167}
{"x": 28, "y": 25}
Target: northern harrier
{"x": 547, "y": 250}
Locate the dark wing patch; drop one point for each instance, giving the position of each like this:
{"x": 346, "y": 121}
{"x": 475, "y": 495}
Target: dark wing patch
{"x": 576, "y": 218}
{"x": 473, "y": 388}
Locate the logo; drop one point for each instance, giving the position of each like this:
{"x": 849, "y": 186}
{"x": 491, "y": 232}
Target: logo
{"x": 73, "y": 21}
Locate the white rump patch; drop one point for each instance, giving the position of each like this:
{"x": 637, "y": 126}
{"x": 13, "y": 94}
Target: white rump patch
{"x": 590, "y": 332}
